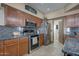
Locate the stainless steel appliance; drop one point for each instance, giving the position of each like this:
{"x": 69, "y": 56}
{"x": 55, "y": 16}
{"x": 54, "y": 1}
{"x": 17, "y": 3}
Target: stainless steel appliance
{"x": 30, "y": 27}
{"x": 31, "y": 30}
{"x": 34, "y": 41}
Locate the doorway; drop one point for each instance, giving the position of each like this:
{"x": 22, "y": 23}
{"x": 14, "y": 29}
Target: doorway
{"x": 56, "y": 36}
{"x": 58, "y": 31}
{"x": 51, "y": 30}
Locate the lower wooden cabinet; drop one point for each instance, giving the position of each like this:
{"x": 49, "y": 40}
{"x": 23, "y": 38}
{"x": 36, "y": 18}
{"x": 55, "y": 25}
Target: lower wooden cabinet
{"x": 11, "y": 50}
{"x": 1, "y": 51}
{"x": 23, "y": 46}
{"x": 41, "y": 39}
{"x": 10, "y": 47}
{"x": 14, "y": 47}
{"x": 1, "y": 48}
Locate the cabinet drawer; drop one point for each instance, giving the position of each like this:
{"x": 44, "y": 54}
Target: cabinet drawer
{"x": 8, "y": 42}
{"x": 22, "y": 40}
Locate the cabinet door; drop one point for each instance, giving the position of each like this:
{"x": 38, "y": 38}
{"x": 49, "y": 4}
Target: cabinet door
{"x": 41, "y": 39}
{"x": 38, "y": 21}
{"x": 65, "y": 22}
{"x": 11, "y": 47}
{"x": 14, "y": 17}
{"x": 21, "y": 18}
{"x": 10, "y": 16}
{"x": 23, "y": 46}
{"x": 1, "y": 48}
{"x": 77, "y": 20}
{"x": 70, "y": 21}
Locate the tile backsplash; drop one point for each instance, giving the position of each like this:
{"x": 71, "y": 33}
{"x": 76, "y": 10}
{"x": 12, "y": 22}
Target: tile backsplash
{"x": 7, "y": 30}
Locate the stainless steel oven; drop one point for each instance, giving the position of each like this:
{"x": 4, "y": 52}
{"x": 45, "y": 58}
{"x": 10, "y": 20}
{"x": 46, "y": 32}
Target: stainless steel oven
{"x": 34, "y": 41}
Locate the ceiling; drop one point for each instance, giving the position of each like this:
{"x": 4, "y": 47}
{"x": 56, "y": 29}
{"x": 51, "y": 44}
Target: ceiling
{"x": 47, "y": 7}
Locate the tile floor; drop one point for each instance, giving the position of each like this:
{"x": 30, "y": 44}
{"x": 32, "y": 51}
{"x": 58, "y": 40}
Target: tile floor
{"x": 54, "y": 49}
{"x": 50, "y": 50}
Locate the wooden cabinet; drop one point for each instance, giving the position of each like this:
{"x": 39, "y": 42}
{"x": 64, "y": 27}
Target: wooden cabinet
{"x": 11, "y": 47}
{"x": 15, "y": 17}
{"x": 34, "y": 19}
{"x": 37, "y": 21}
{"x": 23, "y": 46}
{"x": 76, "y": 20}
{"x": 1, "y": 48}
{"x": 41, "y": 39}
{"x": 69, "y": 21}
{"x": 14, "y": 47}
{"x": 20, "y": 18}
{"x": 10, "y": 16}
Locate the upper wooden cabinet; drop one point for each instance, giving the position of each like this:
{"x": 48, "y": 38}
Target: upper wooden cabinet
{"x": 14, "y": 17}
{"x": 20, "y": 18}
{"x": 77, "y": 20}
{"x": 36, "y": 20}
{"x": 10, "y": 16}
{"x": 69, "y": 21}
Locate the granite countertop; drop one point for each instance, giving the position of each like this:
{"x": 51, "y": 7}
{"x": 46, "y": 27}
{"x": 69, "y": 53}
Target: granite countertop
{"x": 7, "y": 33}
{"x": 8, "y": 37}
{"x": 71, "y": 45}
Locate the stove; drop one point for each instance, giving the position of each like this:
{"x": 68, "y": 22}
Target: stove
{"x": 34, "y": 41}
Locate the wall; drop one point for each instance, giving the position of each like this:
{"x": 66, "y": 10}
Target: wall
{"x": 21, "y": 6}
{"x": 1, "y": 16}
{"x": 62, "y": 12}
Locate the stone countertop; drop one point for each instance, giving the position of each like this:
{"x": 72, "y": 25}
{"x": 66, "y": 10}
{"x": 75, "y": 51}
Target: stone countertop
{"x": 71, "y": 46}
{"x": 8, "y": 37}
{"x": 7, "y": 33}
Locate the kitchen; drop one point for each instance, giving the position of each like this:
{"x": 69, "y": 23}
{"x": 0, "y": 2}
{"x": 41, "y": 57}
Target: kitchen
{"x": 20, "y": 28}
{"x": 24, "y": 31}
